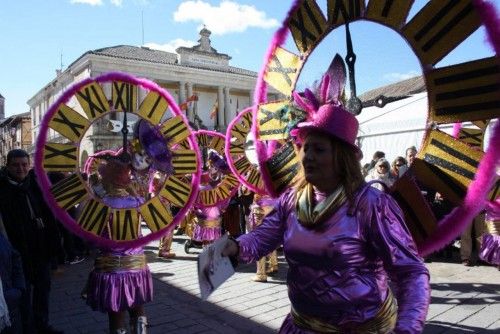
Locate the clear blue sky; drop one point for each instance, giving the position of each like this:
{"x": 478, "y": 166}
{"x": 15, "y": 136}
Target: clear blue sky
{"x": 34, "y": 35}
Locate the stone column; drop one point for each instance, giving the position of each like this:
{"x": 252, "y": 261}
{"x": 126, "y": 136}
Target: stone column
{"x": 220, "y": 110}
{"x": 189, "y": 112}
{"x": 182, "y": 92}
{"x": 227, "y": 107}
{"x": 251, "y": 93}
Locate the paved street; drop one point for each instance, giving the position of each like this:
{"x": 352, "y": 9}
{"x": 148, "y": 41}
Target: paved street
{"x": 464, "y": 299}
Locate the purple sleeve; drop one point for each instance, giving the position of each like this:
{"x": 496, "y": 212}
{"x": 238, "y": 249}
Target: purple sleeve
{"x": 394, "y": 244}
{"x": 267, "y": 236}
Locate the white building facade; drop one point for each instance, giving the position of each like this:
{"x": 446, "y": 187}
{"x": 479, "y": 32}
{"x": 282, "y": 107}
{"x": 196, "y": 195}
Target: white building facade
{"x": 199, "y": 70}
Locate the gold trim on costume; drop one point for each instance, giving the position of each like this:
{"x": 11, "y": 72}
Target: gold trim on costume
{"x": 310, "y": 214}
{"x": 383, "y": 322}
{"x": 113, "y": 263}
{"x": 493, "y": 227}
{"x": 210, "y": 223}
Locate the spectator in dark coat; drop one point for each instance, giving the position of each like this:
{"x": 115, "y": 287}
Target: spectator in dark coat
{"x": 13, "y": 284}
{"x": 32, "y": 231}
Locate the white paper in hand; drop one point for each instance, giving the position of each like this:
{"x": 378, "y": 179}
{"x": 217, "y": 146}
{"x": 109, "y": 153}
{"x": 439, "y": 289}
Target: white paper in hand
{"x": 213, "y": 268}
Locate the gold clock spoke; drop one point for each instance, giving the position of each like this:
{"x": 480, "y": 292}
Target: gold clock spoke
{"x": 124, "y": 96}
{"x": 69, "y": 191}
{"x": 254, "y": 177}
{"x": 237, "y": 148}
{"x": 60, "y": 157}
{"x": 242, "y": 165}
{"x": 153, "y": 107}
{"x": 93, "y": 100}
{"x": 465, "y": 92}
{"x": 282, "y": 70}
{"x": 69, "y": 123}
{"x": 340, "y": 11}
{"x": 94, "y": 217}
{"x": 440, "y": 27}
{"x": 156, "y": 215}
{"x": 176, "y": 191}
{"x": 210, "y": 197}
{"x": 307, "y": 25}
{"x": 271, "y": 127}
{"x": 240, "y": 133}
{"x": 203, "y": 139}
{"x": 174, "y": 130}
{"x": 419, "y": 217}
{"x": 389, "y": 12}
{"x": 472, "y": 137}
{"x": 125, "y": 224}
{"x": 217, "y": 143}
{"x": 246, "y": 119}
{"x": 184, "y": 162}
{"x": 454, "y": 162}
{"x": 283, "y": 166}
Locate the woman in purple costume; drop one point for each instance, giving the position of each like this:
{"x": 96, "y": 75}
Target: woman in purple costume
{"x": 353, "y": 266}
{"x": 207, "y": 227}
{"x": 121, "y": 280}
{"x": 490, "y": 247}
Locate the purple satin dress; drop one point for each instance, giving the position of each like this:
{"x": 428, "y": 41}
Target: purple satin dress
{"x": 490, "y": 246}
{"x": 122, "y": 289}
{"x": 339, "y": 271}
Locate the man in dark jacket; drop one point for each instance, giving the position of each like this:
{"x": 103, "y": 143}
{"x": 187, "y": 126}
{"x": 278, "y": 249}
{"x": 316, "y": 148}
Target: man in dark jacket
{"x": 13, "y": 283}
{"x": 32, "y": 231}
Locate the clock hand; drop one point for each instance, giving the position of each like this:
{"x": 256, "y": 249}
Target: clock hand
{"x": 354, "y": 104}
{"x": 125, "y": 156}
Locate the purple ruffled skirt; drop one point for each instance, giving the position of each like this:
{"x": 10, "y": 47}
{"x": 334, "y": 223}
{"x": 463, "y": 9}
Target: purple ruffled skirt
{"x": 201, "y": 233}
{"x": 490, "y": 249}
{"x": 119, "y": 291}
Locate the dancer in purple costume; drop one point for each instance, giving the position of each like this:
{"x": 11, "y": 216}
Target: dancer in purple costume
{"x": 121, "y": 280}
{"x": 344, "y": 240}
{"x": 207, "y": 227}
{"x": 490, "y": 247}
{"x": 260, "y": 208}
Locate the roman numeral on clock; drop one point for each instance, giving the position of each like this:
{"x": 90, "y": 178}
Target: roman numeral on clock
{"x": 153, "y": 107}
{"x": 439, "y": 27}
{"x": 307, "y": 25}
{"x": 93, "y": 101}
{"x": 465, "y": 92}
{"x": 94, "y": 217}
{"x": 125, "y": 224}
{"x": 60, "y": 157}
{"x": 69, "y": 191}
{"x": 69, "y": 123}
{"x": 155, "y": 214}
{"x": 124, "y": 96}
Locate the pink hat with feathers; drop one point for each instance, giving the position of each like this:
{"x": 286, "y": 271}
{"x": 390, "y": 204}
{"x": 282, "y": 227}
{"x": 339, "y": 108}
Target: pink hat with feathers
{"x": 324, "y": 110}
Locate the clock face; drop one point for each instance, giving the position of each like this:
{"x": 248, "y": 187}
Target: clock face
{"x": 463, "y": 92}
{"x": 219, "y": 186}
{"x": 108, "y": 109}
{"x": 239, "y": 151}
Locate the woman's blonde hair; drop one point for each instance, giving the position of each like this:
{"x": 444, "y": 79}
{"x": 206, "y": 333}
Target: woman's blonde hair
{"x": 346, "y": 166}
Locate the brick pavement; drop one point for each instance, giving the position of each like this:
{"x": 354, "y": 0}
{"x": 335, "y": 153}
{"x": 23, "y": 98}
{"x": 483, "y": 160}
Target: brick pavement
{"x": 464, "y": 299}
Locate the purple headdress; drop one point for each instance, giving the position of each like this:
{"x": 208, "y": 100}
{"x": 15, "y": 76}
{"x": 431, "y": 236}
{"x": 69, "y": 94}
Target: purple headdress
{"x": 155, "y": 146}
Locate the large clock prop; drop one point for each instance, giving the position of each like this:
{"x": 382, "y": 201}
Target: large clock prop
{"x": 228, "y": 184}
{"x": 77, "y": 116}
{"x": 236, "y": 152}
{"x": 464, "y": 92}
